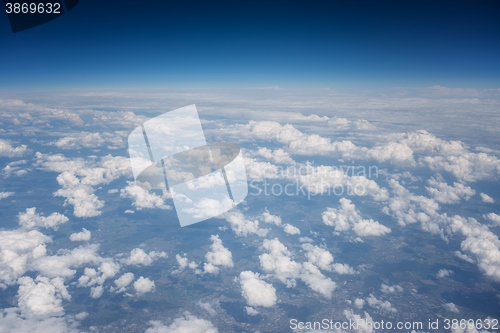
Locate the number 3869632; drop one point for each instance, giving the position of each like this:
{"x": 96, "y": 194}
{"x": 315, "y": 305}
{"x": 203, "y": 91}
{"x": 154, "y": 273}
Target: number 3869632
{"x": 33, "y": 8}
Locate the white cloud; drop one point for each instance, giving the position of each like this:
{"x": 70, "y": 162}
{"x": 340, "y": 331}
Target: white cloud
{"x": 82, "y": 236}
{"x": 251, "y": 311}
{"x": 278, "y": 261}
{"x": 144, "y": 285}
{"x": 495, "y": 218}
{"x": 255, "y": 291}
{"x": 142, "y": 198}
{"x": 278, "y": 156}
{"x": 14, "y": 168}
{"x": 182, "y": 261}
{"x": 218, "y": 256}
{"x": 95, "y": 278}
{"x": 343, "y": 269}
{"x": 17, "y": 249}
{"x": 386, "y": 289}
{"x": 446, "y": 194}
{"x": 85, "y": 202}
{"x": 184, "y": 324}
{"x": 359, "y": 303}
{"x": 90, "y": 140}
{"x": 31, "y": 220}
{"x": 365, "y": 324}
{"x": 5, "y": 195}
{"x": 78, "y": 175}
{"x": 323, "y": 259}
{"x": 270, "y": 218}
{"x": 384, "y": 306}
{"x": 451, "y": 307}
{"x": 486, "y": 198}
{"x": 408, "y": 208}
{"x": 64, "y": 263}
{"x": 241, "y": 226}
{"x": 96, "y": 292}
{"x": 347, "y": 217}
{"x": 318, "y": 256}
{"x": 444, "y": 273}
{"x": 123, "y": 282}
{"x": 14, "y": 321}
{"x": 7, "y": 150}
{"x": 42, "y": 296}
{"x": 139, "y": 257}
{"x": 291, "y": 230}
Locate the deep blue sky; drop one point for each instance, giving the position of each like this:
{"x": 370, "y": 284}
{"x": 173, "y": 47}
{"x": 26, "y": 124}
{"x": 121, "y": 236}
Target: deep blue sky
{"x": 164, "y": 43}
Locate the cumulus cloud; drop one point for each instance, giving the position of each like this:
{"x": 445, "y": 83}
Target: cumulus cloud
{"x": 143, "y": 198}
{"x": 291, "y": 230}
{"x": 251, "y": 311}
{"x": 123, "y": 282}
{"x": 41, "y": 296}
{"x": 144, "y": 285}
{"x": 95, "y": 278}
{"x": 85, "y": 203}
{"x": 82, "y": 236}
{"x": 365, "y": 324}
{"x": 13, "y": 320}
{"x": 386, "y": 289}
{"x": 318, "y": 256}
{"x": 407, "y": 207}
{"x": 90, "y": 140}
{"x": 347, "y": 217}
{"x": 139, "y": 257}
{"x": 279, "y": 262}
{"x": 495, "y": 218}
{"x": 186, "y": 323}
{"x": 270, "y": 218}
{"x": 486, "y": 198}
{"x": 218, "y": 256}
{"x": 5, "y": 195}
{"x": 451, "y": 307}
{"x": 64, "y": 263}
{"x": 446, "y": 194}
{"x": 444, "y": 273}
{"x": 31, "y": 220}
{"x": 78, "y": 176}
{"x": 18, "y": 248}
{"x": 7, "y": 150}
{"x": 15, "y": 168}
{"x": 241, "y": 226}
{"x": 384, "y": 306}
{"x": 255, "y": 291}
{"x": 359, "y": 303}
{"x": 278, "y": 156}
{"x": 182, "y": 262}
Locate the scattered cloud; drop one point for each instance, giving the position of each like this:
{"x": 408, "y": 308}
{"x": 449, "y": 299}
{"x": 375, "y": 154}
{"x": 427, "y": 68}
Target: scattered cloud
{"x": 444, "y": 273}
{"x": 82, "y": 236}
{"x": 143, "y": 285}
{"x": 186, "y": 323}
{"x": 255, "y": 291}
{"x": 31, "y": 220}
{"x": 138, "y": 257}
{"x": 347, "y": 217}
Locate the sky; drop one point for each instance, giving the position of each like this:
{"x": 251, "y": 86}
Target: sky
{"x": 224, "y": 44}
